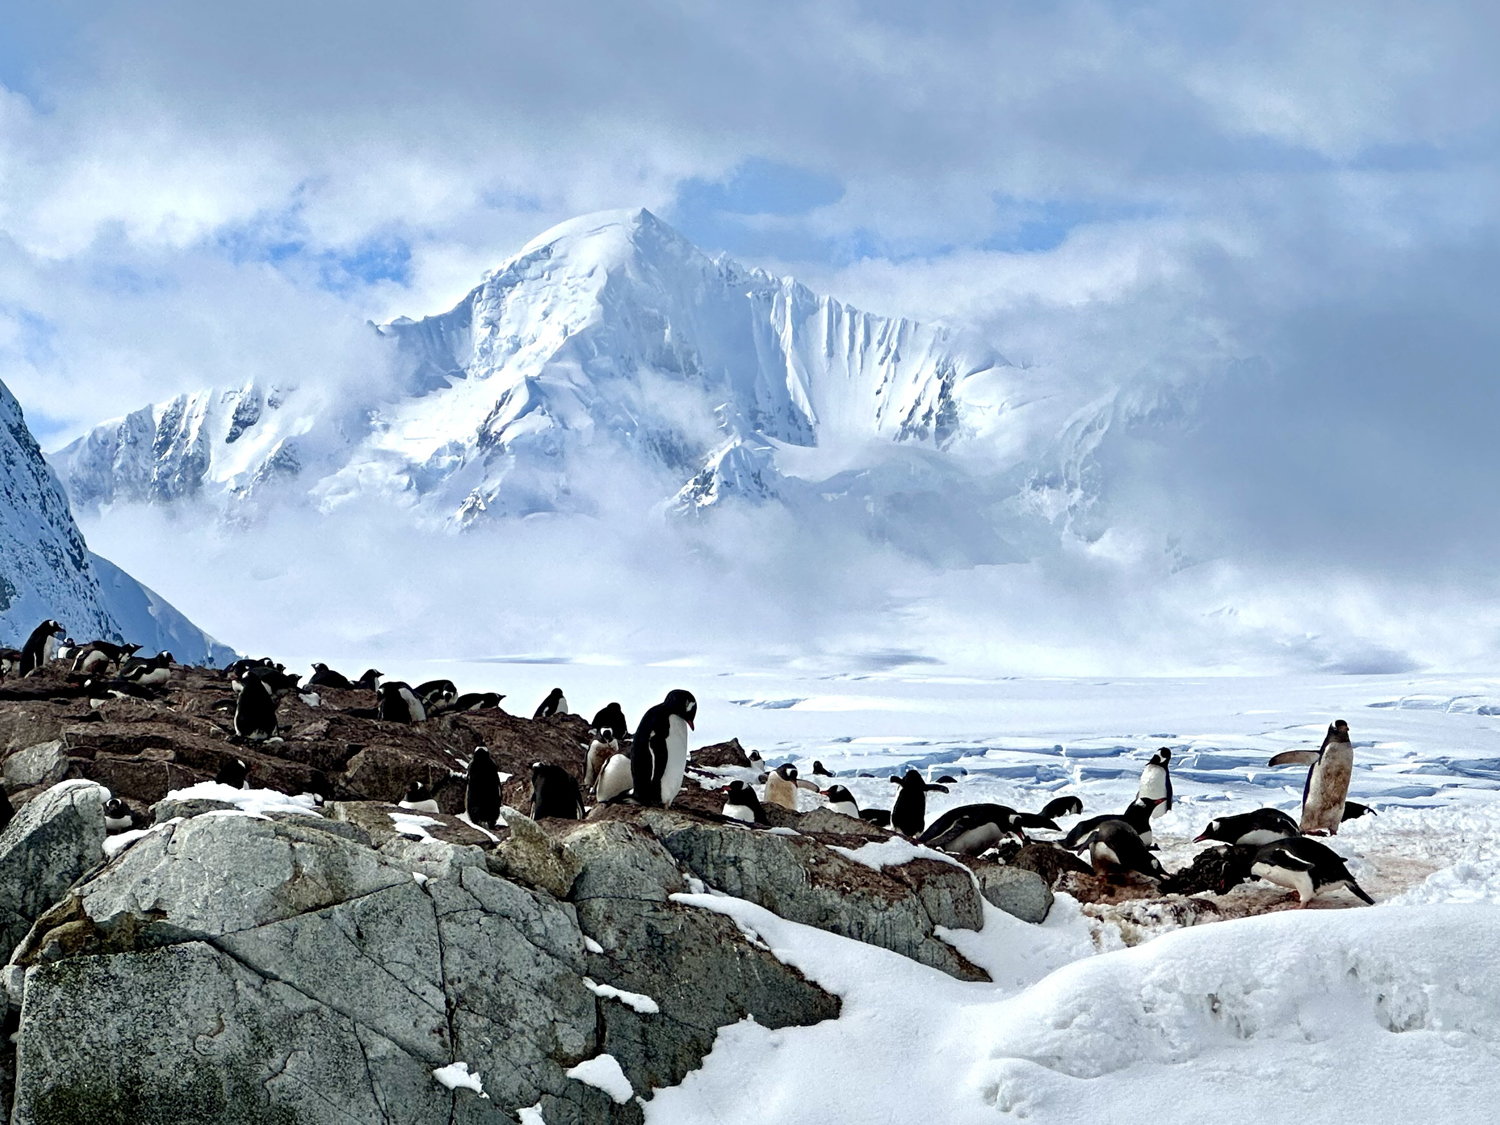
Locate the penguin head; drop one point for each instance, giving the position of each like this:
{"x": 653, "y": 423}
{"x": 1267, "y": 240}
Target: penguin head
{"x": 116, "y": 808}
{"x": 739, "y": 793}
{"x": 55, "y": 628}
{"x": 820, "y": 770}
{"x": 838, "y": 794}
{"x": 680, "y": 702}
{"x": 416, "y": 791}
{"x": 787, "y": 772}
{"x": 911, "y": 779}
{"x": 1161, "y": 757}
{"x": 481, "y": 753}
{"x": 1209, "y": 833}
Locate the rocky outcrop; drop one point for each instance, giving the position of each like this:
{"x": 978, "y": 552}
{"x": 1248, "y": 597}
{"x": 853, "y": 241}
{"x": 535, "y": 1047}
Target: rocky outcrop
{"x": 49, "y": 844}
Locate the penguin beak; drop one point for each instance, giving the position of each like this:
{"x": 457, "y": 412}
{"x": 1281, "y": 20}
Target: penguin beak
{"x": 690, "y": 723}
{"x": 1200, "y": 839}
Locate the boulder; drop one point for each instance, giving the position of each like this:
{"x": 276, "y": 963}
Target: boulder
{"x": 51, "y": 842}
{"x": 1019, "y": 892}
{"x": 528, "y": 855}
{"x": 44, "y": 764}
{"x": 720, "y": 755}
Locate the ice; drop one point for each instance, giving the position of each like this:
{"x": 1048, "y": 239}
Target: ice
{"x": 252, "y": 802}
{"x": 603, "y": 1071}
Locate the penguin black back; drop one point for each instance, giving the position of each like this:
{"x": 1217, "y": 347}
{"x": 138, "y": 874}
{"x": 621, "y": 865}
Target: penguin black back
{"x": 326, "y": 677}
{"x": 7, "y": 810}
{"x": 741, "y": 803}
{"x": 554, "y": 793}
{"x": 255, "y": 708}
{"x": 34, "y": 651}
{"x": 1138, "y": 816}
{"x": 610, "y": 720}
{"x": 658, "y": 753}
{"x": 482, "y": 801}
{"x": 909, "y": 814}
{"x": 233, "y": 773}
{"x": 436, "y": 695}
{"x": 554, "y": 704}
{"x": 1062, "y": 806}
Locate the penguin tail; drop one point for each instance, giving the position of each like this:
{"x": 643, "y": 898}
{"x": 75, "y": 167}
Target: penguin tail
{"x": 1360, "y": 891}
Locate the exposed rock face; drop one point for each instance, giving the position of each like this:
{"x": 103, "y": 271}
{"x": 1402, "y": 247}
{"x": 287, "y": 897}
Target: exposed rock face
{"x": 50, "y": 843}
{"x": 1015, "y": 890}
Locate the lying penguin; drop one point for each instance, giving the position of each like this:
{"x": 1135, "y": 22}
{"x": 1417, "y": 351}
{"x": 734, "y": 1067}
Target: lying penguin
{"x": 1306, "y": 866}
{"x": 742, "y": 804}
{"x": 1256, "y": 828}
{"x": 973, "y": 829}
{"x": 1116, "y": 848}
{"x": 1138, "y": 816}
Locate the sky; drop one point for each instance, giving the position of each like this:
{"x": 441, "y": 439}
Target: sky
{"x": 1279, "y": 216}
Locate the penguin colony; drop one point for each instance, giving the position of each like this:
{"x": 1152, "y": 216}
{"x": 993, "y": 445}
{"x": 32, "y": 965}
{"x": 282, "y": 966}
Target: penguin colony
{"x": 648, "y": 768}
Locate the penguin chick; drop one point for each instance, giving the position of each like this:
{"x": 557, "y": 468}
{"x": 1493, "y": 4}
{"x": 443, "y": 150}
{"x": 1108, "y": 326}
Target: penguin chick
{"x": 781, "y": 787}
{"x": 743, "y": 804}
{"x": 1306, "y": 866}
{"x": 601, "y": 750}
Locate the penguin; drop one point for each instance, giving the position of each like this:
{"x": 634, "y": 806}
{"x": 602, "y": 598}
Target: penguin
{"x": 819, "y": 770}
{"x": 232, "y": 773}
{"x": 41, "y": 646}
{"x": 397, "y": 703}
{"x": 90, "y": 661}
{"x": 65, "y": 649}
{"x": 1353, "y": 810}
{"x": 476, "y": 701}
{"x": 10, "y": 660}
{"x": 840, "y": 800}
{"x": 482, "y": 800}
{"x": 781, "y": 787}
{"x": 1327, "y": 782}
{"x": 601, "y": 749}
{"x": 1249, "y": 829}
{"x": 555, "y": 704}
{"x": 255, "y": 709}
{"x": 419, "y": 798}
{"x": 1062, "y": 806}
{"x": 743, "y": 804}
{"x": 947, "y": 779}
{"x": 324, "y": 676}
{"x": 658, "y": 754}
{"x": 756, "y": 761}
{"x": 117, "y": 816}
{"x": 1116, "y": 847}
{"x": 1156, "y": 781}
{"x": 971, "y": 829}
{"x": 436, "y": 695}
{"x": 909, "y": 815}
{"x": 615, "y": 779}
{"x": 151, "y": 672}
{"x": 554, "y": 793}
{"x": 610, "y": 720}
{"x": 7, "y": 810}
{"x": 880, "y": 818}
{"x": 1306, "y": 866}
{"x": 370, "y": 680}
{"x": 1138, "y": 816}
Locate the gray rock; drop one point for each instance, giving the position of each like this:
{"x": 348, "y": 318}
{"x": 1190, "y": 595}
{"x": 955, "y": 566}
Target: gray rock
{"x": 803, "y": 881}
{"x": 45, "y": 849}
{"x": 826, "y": 820}
{"x": 528, "y": 855}
{"x": 177, "y": 808}
{"x": 1015, "y": 890}
{"x": 44, "y": 764}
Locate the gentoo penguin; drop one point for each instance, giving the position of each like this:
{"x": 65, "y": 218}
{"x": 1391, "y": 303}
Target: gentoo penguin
{"x": 477, "y": 701}
{"x": 117, "y": 816}
{"x": 419, "y": 798}
{"x": 1115, "y": 847}
{"x": 324, "y": 676}
{"x": 610, "y": 720}
{"x": 658, "y": 755}
{"x": 1062, "y": 806}
{"x": 743, "y": 804}
{"x": 601, "y": 749}
{"x": 436, "y": 695}
{"x": 880, "y": 818}
{"x": 821, "y": 772}
{"x": 971, "y": 829}
{"x": 1305, "y": 866}
{"x": 482, "y": 801}
{"x": 909, "y": 814}
{"x": 554, "y": 793}
{"x": 370, "y": 680}
{"x": 151, "y": 672}
{"x": 41, "y": 646}
{"x": 232, "y": 773}
{"x": 781, "y": 787}
{"x": 255, "y": 709}
{"x": 756, "y": 761}
{"x": 947, "y": 779}
{"x": 614, "y": 779}
{"x": 1256, "y": 828}
{"x": 1138, "y": 816}
{"x": 395, "y": 702}
{"x": 1327, "y": 782}
{"x": 1156, "y": 781}
{"x": 90, "y": 660}
{"x": 65, "y": 649}
{"x": 840, "y": 800}
{"x": 1353, "y": 810}
{"x": 7, "y": 810}
{"x": 555, "y": 704}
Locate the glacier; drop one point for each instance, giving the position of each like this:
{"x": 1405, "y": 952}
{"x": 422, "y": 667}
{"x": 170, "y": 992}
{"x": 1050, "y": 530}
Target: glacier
{"x": 611, "y": 347}
{"x": 47, "y": 570}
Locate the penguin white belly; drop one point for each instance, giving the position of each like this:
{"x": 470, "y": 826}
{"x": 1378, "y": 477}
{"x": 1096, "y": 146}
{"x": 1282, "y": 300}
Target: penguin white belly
{"x": 1327, "y": 788}
{"x": 1259, "y": 838}
{"x": 1148, "y": 837}
{"x": 49, "y": 650}
{"x": 117, "y": 823}
{"x": 848, "y": 808}
{"x": 1154, "y": 786}
{"x": 155, "y": 677}
{"x": 414, "y": 706}
{"x": 671, "y": 776}
{"x": 1299, "y": 881}
{"x": 740, "y": 812}
{"x": 1103, "y": 855}
{"x": 614, "y": 779}
{"x": 428, "y": 806}
{"x": 975, "y": 840}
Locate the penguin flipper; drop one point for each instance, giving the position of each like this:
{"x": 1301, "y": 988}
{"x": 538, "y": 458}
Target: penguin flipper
{"x": 1036, "y": 820}
{"x": 1169, "y": 790}
{"x": 1290, "y": 860}
{"x": 1295, "y": 758}
{"x": 1360, "y": 891}
{"x": 937, "y": 789}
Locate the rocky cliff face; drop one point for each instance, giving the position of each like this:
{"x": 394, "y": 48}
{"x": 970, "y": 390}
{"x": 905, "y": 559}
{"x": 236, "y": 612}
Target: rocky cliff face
{"x": 47, "y": 570}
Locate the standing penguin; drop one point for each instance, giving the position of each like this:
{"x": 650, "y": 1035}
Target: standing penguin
{"x": 658, "y": 754}
{"x": 254, "y": 708}
{"x": 41, "y": 646}
{"x": 909, "y": 814}
{"x": 743, "y": 804}
{"x": 554, "y": 793}
{"x": 555, "y": 704}
{"x": 1327, "y": 784}
{"x": 1156, "y": 781}
{"x": 482, "y": 802}
{"x": 609, "y": 721}
{"x": 1304, "y": 866}
{"x": 397, "y": 703}
{"x": 601, "y": 750}
{"x": 370, "y": 680}
{"x": 781, "y": 787}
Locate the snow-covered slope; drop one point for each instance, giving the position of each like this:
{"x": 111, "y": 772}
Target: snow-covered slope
{"x": 47, "y": 570}
{"x": 609, "y": 348}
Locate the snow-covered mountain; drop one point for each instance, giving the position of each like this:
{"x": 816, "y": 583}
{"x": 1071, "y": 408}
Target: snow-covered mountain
{"x": 608, "y": 349}
{"x": 47, "y": 570}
